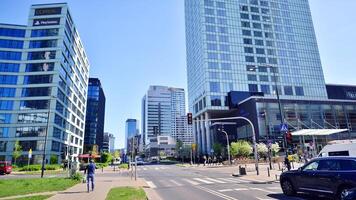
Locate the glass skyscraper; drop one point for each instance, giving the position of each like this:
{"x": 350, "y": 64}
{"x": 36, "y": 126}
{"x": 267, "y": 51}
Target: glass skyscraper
{"x": 131, "y": 130}
{"x": 251, "y": 46}
{"x": 95, "y": 116}
{"x": 44, "y": 74}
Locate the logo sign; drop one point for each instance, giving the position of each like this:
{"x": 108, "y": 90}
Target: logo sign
{"x": 46, "y": 22}
{"x": 48, "y": 11}
{"x": 284, "y": 128}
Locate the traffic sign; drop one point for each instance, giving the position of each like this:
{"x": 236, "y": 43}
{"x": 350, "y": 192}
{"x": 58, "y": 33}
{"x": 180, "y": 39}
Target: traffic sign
{"x": 284, "y": 128}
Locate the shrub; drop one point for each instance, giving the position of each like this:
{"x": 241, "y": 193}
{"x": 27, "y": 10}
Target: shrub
{"x": 124, "y": 166}
{"x": 54, "y": 159}
{"x": 53, "y": 167}
{"x": 241, "y": 148}
{"x": 31, "y": 168}
{"x": 77, "y": 176}
{"x": 101, "y": 165}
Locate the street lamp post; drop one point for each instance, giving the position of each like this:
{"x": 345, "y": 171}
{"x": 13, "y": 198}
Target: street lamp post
{"x": 228, "y": 145}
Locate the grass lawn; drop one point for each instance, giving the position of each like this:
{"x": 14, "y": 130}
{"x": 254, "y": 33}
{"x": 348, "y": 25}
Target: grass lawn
{"x": 39, "y": 197}
{"x": 126, "y": 193}
{"x": 34, "y": 185}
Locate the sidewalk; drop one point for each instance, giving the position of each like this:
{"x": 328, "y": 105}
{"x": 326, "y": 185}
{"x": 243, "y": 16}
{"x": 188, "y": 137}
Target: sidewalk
{"x": 104, "y": 181}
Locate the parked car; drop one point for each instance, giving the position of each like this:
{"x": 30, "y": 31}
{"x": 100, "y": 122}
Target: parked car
{"x": 339, "y": 148}
{"x": 5, "y": 167}
{"x": 329, "y": 176}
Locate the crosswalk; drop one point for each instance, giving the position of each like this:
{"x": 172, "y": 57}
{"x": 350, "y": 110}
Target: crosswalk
{"x": 194, "y": 181}
{"x": 150, "y": 168}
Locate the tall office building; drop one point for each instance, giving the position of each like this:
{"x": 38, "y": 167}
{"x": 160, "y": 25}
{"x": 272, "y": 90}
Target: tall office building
{"x": 163, "y": 114}
{"x": 253, "y": 47}
{"x": 95, "y": 116}
{"x": 44, "y": 74}
{"x": 131, "y": 130}
{"x": 111, "y": 143}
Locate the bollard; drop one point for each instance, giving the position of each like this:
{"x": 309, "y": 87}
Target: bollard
{"x": 102, "y": 169}
{"x": 279, "y": 166}
{"x": 269, "y": 175}
{"x": 292, "y": 165}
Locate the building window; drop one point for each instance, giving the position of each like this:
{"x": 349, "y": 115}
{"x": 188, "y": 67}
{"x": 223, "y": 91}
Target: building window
{"x": 299, "y": 91}
{"x": 37, "y": 79}
{"x": 245, "y": 24}
{"x": 44, "y": 32}
{"x": 12, "y": 44}
{"x": 43, "y": 43}
{"x": 7, "y": 92}
{"x": 29, "y": 118}
{"x": 10, "y": 55}
{"x": 260, "y": 51}
{"x": 226, "y": 66}
{"x": 264, "y": 78}
{"x": 213, "y": 75}
{"x": 262, "y": 69}
{"x": 211, "y": 37}
{"x": 41, "y": 55}
{"x": 252, "y": 88}
{"x": 261, "y": 59}
{"x": 4, "y": 132}
{"x": 249, "y": 59}
{"x": 34, "y": 104}
{"x": 6, "y": 104}
{"x": 8, "y": 79}
{"x": 214, "y": 87}
{"x": 251, "y": 77}
{"x": 246, "y": 32}
{"x": 288, "y": 90}
{"x": 39, "y": 67}
{"x": 259, "y": 42}
{"x": 215, "y": 101}
{"x": 257, "y": 33}
{"x": 210, "y": 28}
{"x": 250, "y": 68}
{"x": 213, "y": 65}
{"x": 248, "y": 49}
{"x": 247, "y": 41}
{"x": 5, "y": 118}
{"x": 38, "y": 91}
{"x": 265, "y": 89}
{"x": 9, "y": 67}
{"x": 9, "y": 32}
{"x": 244, "y": 16}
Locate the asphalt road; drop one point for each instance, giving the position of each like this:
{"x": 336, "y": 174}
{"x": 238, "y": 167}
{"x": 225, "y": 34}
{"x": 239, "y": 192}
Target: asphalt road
{"x": 179, "y": 183}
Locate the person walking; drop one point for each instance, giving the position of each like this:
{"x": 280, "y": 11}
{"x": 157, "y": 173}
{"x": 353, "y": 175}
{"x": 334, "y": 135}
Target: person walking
{"x": 287, "y": 163}
{"x": 90, "y": 172}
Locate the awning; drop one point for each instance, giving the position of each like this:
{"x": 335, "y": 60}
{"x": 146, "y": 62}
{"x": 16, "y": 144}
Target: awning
{"x": 317, "y": 132}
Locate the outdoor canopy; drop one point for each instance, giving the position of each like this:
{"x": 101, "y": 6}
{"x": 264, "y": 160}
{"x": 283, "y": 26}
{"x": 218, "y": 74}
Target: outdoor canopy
{"x": 317, "y": 132}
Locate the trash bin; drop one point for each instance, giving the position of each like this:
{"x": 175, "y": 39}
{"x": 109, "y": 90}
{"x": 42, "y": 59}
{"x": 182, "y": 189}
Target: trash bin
{"x": 242, "y": 170}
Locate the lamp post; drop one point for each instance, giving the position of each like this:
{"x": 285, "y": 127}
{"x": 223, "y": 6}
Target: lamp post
{"x": 228, "y": 145}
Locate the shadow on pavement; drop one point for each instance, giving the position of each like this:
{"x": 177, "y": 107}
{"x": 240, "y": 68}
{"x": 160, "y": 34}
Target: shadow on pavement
{"x": 296, "y": 197}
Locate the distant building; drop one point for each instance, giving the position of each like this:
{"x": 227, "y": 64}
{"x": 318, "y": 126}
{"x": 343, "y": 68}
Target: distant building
{"x": 131, "y": 130}
{"x": 44, "y": 74}
{"x": 95, "y": 116}
{"x": 163, "y": 114}
{"x": 106, "y": 142}
{"x": 111, "y": 143}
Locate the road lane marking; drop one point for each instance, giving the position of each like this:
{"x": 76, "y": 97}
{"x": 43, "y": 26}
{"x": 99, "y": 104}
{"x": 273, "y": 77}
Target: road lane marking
{"x": 151, "y": 184}
{"x": 216, "y": 193}
{"x": 175, "y": 182}
{"x": 156, "y": 168}
{"x": 263, "y": 190}
{"x": 226, "y": 190}
{"x": 274, "y": 188}
{"x": 215, "y": 180}
{"x": 191, "y": 182}
{"x": 252, "y": 180}
{"x": 235, "y": 180}
{"x": 202, "y": 180}
{"x": 165, "y": 183}
{"x": 241, "y": 189}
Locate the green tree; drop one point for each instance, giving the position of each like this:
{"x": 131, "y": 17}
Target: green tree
{"x": 240, "y": 148}
{"x": 275, "y": 148}
{"x": 116, "y": 154}
{"x": 262, "y": 149}
{"x": 106, "y": 157}
{"x": 17, "y": 151}
{"x": 217, "y": 147}
{"x": 54, "y": 159}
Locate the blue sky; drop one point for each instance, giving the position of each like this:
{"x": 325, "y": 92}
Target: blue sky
{"x": 132, "y": 44}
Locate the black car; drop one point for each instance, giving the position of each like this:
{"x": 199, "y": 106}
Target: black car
{"x": 350, "y": 194}
{"x": 328, "y": 176}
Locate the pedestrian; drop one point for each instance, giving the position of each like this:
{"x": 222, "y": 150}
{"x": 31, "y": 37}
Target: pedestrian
{"x": 90, "y": 172}
{"x": 287, "y": 163}
{"x": 204, "y": 160}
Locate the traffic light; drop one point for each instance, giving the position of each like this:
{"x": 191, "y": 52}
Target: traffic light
{"x": 289, "y": 137}
{"x": 190, "y": 118}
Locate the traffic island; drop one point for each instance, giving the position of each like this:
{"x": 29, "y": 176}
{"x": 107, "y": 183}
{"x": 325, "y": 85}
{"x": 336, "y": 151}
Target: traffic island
{"x": 126, "y": 193}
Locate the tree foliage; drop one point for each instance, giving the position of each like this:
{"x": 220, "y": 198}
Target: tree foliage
{"x": 275, "y": 148}
{"x": 17, "y": 151}
{"x": 217, "y": 147}
{"x": 262, "y": 149}
{"x": 240, "y": 148}
{"x": 106, "y": 157}
{"x": 53, "y": 159}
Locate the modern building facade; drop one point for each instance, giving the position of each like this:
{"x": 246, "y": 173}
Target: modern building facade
{"x": 163, "y": 114}
{"x": 131, "y": 130}
{"x": 111, "y": 143}
{"x": 251, "y": 46}
{"x": 44, "y": 75}
{"x": 106, "y": 142}
{"x": 95, "y": 116}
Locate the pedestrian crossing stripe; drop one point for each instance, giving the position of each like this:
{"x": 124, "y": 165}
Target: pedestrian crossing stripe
{"x": 215, "y": 180}
{"x": 191, "y": 182}
{"x": 175, "y": 182}
{"x": 202, "y": 180}
{"x": 151, "y": 184}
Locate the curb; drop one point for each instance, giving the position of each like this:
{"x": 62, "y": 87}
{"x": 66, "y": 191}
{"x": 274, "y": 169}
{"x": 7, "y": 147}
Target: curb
{"x": 256, "y": 181}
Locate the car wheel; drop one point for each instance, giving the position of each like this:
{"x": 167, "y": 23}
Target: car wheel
{"x": 287, "y": 188}
{"x": 343, "y": 192}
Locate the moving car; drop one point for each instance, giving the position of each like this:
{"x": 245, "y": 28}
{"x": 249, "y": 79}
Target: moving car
{"x": 329, "y": 176}
{"x": 350, "y": 194}
{"x": 339, "y": 148}
{"x": 5, "y": 167}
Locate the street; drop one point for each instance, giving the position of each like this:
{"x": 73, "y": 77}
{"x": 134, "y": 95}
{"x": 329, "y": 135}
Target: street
{"x": 179, "y": 183}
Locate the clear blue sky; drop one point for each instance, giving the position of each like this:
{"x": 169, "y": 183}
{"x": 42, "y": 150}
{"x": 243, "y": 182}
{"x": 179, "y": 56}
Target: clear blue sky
{"x": 132, "y": 44}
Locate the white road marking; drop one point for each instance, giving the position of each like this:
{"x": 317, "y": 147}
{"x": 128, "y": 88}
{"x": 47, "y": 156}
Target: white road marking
{"x": 216, "y": 193}
{"x": 215, "y": 180}
{"x": 151, "y": 184}
{"x": 251, "y": 180}
{"x": 191, "y": 182}
{"x": 226, "y": 190}
{"x": 175, "y": 182}
{"x": 237, "y": 180}
{"x": 156, "y": 168}
{"x": 263, "y": 190}
{"x": 202, "y": 180}
{"x": 165, "y": 183}
{"x": 144, "y": 169}
{"x": 241, "y": 189}
{"x": 274, "y": 188}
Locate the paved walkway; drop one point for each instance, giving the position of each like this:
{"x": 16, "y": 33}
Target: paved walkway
{"x": 104, "y": 181}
